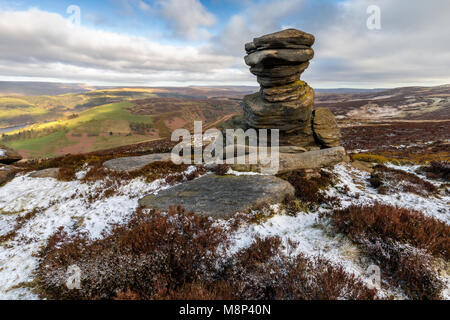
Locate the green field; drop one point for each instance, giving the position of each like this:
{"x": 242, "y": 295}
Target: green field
{"x": 100, "y": 127}
{"x": 101, "y": 119}
{"x": 17, "y": 110}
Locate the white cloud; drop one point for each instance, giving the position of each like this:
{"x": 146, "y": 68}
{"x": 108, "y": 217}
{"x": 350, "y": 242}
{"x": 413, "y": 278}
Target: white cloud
{"x": 187, "y": 18}
{"x": 412, "y": 47}
{"x": 256, "y": 19}
{"x": 36, "y": 43}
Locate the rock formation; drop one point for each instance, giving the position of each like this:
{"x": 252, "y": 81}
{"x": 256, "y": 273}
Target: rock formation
{"x": 284, "y": 101}
{"x": 8, "y": 155}
{"x": 221, "y": 196}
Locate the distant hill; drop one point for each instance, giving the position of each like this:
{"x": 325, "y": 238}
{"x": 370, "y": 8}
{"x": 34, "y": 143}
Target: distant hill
{"x": 41, "y": 88}
{"x": 348, "y": 90}
{"x": 99, "y": 118}
{"x": 406, "y": 103}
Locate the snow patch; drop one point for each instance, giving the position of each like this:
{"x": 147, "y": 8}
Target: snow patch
{"x": 60, "y": 204}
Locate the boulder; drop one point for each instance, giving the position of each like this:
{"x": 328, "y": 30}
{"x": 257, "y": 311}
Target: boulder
{"x": 128, "y": 164}
{"x": 221, "y": 196}
{"x": 250, "y": 149}
{"x": 250, "y": 47}
{"x": 7, "y": 173}
{"x": 325, "y": 128}
{"x": 275, "y": 56}
{"x": 289, "y": 38}
{"x": 297, "y": 161}
{"x": 8, "y": 155}
{"x": 45, "y": 173}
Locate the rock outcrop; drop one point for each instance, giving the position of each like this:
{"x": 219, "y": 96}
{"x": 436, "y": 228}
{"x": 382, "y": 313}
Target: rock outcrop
{"x": 8, "y": 155}
{"x": 7, "y": 173}
{"x": 285, "y": 102}
{"x": 221, "y": 196}
{"x": 45, "y": 173}
{"x": 129, "y": 164}
{"x": 299, "y": 161}
{"x": 325, "y": 128}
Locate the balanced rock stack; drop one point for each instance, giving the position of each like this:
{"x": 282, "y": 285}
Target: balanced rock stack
{"x": 284, "y": 101}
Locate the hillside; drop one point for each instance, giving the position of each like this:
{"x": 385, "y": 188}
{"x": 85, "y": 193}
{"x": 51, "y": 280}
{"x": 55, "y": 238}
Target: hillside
{"x": 84, "y": 122}
{"x": 409, "y": 103}
{"x": 47, "y": 126}
{"x": 75, "y": 210}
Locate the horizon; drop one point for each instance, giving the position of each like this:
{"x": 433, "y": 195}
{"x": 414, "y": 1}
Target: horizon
{"x": 181, "y": 43}
{"x": 218, "y": 86}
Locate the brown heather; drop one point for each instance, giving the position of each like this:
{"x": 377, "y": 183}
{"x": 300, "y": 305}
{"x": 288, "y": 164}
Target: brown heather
{"x": 307, "y": 189}
{"x": 437, "y": 170}
{"x": 399, "y": 224}
{"x": 388, "y": 180}
{"x": 390, "y": 236}
{"x": 176, "y": 256}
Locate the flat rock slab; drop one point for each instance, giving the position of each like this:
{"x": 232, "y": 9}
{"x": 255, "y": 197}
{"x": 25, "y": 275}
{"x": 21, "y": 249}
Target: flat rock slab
{"x": 221, "y": 196}
{"x": 45, "y": 173}
{"x": 129, "y": 164}
{"x": 296, "y": 161}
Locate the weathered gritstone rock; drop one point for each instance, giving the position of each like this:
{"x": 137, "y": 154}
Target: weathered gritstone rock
{"x": 284, "y": 116}
{"x": 277, "y": 56}
{"x": 7, "y": 173}
{"x": 300, "y": 138}
{"x": 290, "y": 92}
{"x": 325, "y": 128}
{"x": 289, "y": 38}
{"x": 284, "y": 101}
{"x": 297, "y": 161}
{"x": 45, "y": 173}
{"x": 278, "y": 71}
{"x": 221, "y": 196}
{"x": 8, "y": 155}
{"x": 129, "y": 164}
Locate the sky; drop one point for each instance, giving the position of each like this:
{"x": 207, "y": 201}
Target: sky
{"x": 193, "y": 42}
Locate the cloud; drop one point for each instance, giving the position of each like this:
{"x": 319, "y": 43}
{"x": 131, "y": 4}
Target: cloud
{"x": 37, "y": 43}
{"x": 412, "y": 47}
{"x": 256, "y": 19}
{"x": 187, "y": 18}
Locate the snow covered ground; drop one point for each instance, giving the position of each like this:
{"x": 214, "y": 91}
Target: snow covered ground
{"x": 314, "y": 237}
{"x": 62, "y": 204}
{"x": 68, "y": 205}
